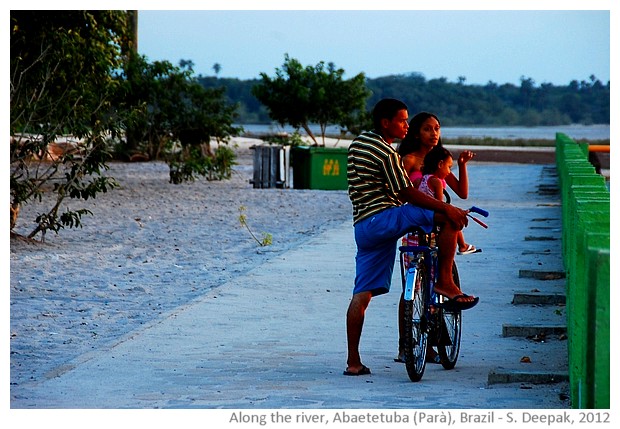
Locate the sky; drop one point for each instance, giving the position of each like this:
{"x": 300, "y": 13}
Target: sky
{"x": 502, "y": 46}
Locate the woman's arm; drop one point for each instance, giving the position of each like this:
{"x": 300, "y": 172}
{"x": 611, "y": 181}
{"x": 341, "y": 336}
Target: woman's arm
{"x": 460, "y": 185}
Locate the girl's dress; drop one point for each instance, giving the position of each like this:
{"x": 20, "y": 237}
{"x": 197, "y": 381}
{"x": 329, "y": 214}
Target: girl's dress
{"x": 423, "y": 186}
{"x": 411, "y": 239}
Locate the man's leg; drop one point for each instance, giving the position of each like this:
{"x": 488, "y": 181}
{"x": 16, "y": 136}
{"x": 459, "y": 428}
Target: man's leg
{"x": 355, "y": 322}
{"x": 446, "y": 241}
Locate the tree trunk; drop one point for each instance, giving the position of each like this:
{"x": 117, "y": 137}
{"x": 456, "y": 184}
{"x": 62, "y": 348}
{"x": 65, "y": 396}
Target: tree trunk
{"x": 310, "y": 134}
{"x": 14, "y": 214}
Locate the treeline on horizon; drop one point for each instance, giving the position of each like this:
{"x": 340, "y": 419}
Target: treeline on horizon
{"x": 457, "y": 104}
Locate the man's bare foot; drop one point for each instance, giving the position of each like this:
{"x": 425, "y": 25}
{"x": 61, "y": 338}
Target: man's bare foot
{"x": 452, "y": 292}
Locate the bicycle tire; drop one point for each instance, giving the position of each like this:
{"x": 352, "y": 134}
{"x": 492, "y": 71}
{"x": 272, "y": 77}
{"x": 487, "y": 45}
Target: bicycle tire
{"x": 415, "y": 324}
{"x": 449, "y": 332}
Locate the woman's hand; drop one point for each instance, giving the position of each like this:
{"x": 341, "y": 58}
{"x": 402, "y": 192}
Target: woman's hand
{"x": 465, "y": 156}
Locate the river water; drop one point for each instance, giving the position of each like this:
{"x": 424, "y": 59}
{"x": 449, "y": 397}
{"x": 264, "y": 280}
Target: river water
{"x": 587, "y": 132}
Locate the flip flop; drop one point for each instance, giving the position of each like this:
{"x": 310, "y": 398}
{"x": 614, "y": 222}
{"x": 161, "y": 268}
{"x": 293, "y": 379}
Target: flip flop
{"x": 470, "y": 249}
{"x": 454, "y": 304}
{"x": 364, "y": 371}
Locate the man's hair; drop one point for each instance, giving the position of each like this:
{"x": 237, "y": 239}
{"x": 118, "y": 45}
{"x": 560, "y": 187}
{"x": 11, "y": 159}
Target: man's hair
{"x": 386, "y": 108}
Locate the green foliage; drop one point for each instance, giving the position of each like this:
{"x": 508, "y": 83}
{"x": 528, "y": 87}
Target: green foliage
{"x": 76, "y": 74}
{"x": 193, "y": 162}
{"x": 267, "y": 238}
{"x": 294, "y": 139}
{"x": 586, "y": 101}
{"x": 69, "y": 219}
{"x": 62, "y": 83}
{"x": 300, "y": 96}
{"x": 175, "y": 118}
{"x": 239, "y": 92}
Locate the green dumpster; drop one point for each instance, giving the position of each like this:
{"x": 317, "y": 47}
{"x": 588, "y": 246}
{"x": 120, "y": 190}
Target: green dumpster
{"x": 319, "y": 167}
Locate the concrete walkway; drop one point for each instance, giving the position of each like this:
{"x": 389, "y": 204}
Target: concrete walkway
{"x": 275, "y": 338}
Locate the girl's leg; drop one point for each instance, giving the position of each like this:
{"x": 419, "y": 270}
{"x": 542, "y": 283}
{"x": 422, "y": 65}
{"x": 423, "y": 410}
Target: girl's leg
{"x": 463, "y": 246}
{"x": 460, "y": 239}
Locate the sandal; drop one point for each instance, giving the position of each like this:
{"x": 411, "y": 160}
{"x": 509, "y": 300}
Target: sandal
{"x": 364, "y": 371}
{"x": 470, "y": 249}
{"x": 458, "y": 303}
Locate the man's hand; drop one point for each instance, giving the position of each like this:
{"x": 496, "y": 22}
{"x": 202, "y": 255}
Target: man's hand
{"x": 457, "y": 216}
{"x": 444, "y": 212}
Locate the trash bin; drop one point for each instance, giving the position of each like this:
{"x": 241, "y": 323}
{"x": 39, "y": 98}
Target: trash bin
{"x": 319, "y": 168}
{"x": 271, "y": 165}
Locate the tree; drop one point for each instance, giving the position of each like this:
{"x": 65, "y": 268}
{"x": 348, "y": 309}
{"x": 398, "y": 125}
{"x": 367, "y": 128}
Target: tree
{"x": 62, "y": 83}
{"x": 171, "y": 108}
{"x": 527, "y": 91}
{"x": 217, "y": 68}
{"x": 76, "y": 74}
{"x": 186, "y": 64}
{"x": 300, "y": 96}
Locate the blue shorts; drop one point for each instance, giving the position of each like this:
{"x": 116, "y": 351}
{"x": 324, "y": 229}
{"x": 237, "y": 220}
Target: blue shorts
{"x": 377, "y": 238}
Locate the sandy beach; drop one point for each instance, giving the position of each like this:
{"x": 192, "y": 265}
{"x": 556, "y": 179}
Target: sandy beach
{"x": 149, "y": 247}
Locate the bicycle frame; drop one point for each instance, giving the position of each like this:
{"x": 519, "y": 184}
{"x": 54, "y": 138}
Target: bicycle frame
{"x": 428, "y": 254}
{"x": 427, "y": 321}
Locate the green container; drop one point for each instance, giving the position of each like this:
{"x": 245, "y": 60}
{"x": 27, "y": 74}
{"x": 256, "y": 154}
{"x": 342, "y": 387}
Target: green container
{"x": 319, "y": 168}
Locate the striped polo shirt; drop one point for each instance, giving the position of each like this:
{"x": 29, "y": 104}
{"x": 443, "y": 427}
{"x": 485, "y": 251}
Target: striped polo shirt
{"x": 375, "y": 174}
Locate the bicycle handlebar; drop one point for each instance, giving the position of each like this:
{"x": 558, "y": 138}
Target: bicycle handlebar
{"x": 480, "y": 212}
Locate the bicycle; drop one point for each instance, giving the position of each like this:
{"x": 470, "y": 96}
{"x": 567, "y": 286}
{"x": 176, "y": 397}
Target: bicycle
{"x": 428, "y": 322}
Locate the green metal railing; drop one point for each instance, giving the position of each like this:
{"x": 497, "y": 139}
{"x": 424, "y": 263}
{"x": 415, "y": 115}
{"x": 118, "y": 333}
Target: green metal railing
{"x": 585, "y": 248}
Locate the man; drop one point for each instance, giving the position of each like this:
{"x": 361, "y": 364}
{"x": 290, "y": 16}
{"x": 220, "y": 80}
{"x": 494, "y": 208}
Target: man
{"x": 378, "y": 186}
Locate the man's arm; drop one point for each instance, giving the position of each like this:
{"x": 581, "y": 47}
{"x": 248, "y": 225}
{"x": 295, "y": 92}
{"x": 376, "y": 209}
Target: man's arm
{"x": 414, "y": 196}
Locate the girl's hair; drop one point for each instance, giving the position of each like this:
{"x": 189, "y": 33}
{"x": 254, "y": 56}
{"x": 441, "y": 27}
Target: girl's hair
{"x": 433, "y": 158}
{"x": 411, "y": 142}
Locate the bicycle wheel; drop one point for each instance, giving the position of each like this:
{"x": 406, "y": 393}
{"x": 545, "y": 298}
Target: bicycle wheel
{"x": 449, "y": 334}
{"x": 416, "y": 336}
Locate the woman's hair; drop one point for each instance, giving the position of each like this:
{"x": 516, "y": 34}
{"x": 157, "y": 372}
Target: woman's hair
{"x": 386, "y": 108}
{"x": 433, "y": 158}
{"x": 411, "y": 142}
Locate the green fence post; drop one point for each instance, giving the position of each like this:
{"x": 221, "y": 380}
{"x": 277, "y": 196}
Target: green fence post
{"x": 590, "y": 216}
{"x": 598, "y": 273}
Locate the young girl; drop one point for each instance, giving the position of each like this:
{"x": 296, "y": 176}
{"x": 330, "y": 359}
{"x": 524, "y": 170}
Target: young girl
{"x": 437, "y": 166}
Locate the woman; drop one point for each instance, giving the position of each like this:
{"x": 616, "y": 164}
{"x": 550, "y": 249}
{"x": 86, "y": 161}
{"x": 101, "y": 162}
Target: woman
{"x": 423, "y": 135}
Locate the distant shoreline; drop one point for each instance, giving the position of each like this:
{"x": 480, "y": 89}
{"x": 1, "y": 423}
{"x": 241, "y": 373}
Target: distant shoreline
{"x": 597, "y": 132}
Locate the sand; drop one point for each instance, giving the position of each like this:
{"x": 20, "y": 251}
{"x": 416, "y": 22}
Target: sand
{"x": 150, "y": 246}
